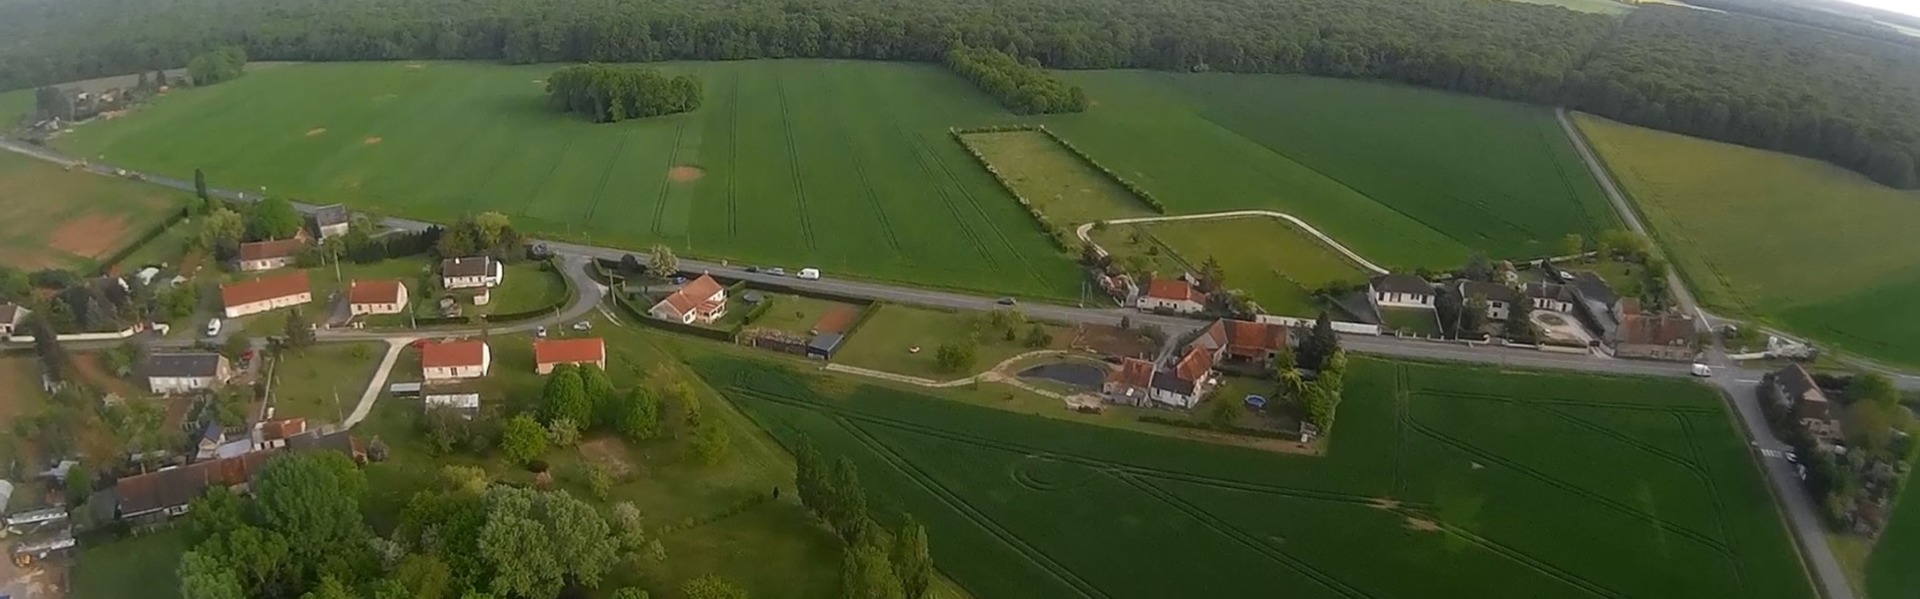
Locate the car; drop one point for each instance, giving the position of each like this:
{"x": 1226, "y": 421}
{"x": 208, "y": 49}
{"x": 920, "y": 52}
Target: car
{"x": 777, "y": 271}
{"x": 582, "y": 326}
{"x": 679, "y": 280}
{"x": 1006, "y": 301}
{"x": 540, "y": 332}
{"x": 1702, "y": 370}
{"x": 213, "y": 327}
{"x": 811, "y": 274}
{"x": 753, "y": 269}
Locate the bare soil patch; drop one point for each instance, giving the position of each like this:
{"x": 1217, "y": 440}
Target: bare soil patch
{"x": 1111, "y": 341}
{"x": 316, "y": 131}
{"x": 685, "y": 174}
{"x": 95, "y": 375}
{"x": 835, "y": 320}
{"x": 416, "y": 66}
{"x": 90, "y": 236}
{"x": 609, "y": 453}
{"x": 371, "y": 141}
{"x": 17, "y": 377}
{"x": 1383, "y": 503}
{"x": 1422, "y": 525}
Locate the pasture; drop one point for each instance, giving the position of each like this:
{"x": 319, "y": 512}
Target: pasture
{"x": 1276, "y": 262}
{"x": 1722, "y": 213}
{"x": 1061, "y": 185}
{"x": 840, "y": 165}
{"x": 54, "y": 218}
{"x": 322, "y": 383}
{"x": 905, "y": 340}
{"x": 1605, "y": 7}
{"x": 1407, "y": 177}
{"x": 1461, "y": 482}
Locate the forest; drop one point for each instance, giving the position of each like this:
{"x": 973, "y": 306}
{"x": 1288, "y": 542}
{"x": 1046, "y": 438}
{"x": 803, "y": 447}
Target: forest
{"x": 1812, "y": 91}
{"x": 610, "y": 94}
{"x": 1023, "y": 88}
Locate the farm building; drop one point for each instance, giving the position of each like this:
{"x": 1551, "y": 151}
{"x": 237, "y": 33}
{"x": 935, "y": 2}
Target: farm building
{"x": 1796, "y": 393}
{"x": 1401, "y": 291}
{"x": 1174, "y": 295}
{"x": 162, "y": 494}
{"x": 329, "y": 221}
{"x": 268, "y": 255}
{"x": 384, "y": 296}
{"x": 1652, "y": 336}
{"x": 1131, "y": 383}
{"x": 1594, "y": 301}
{"x": 11, "y": 317}
{"x": 1552, "y": 297}
{"x": 548, "y": 353}
{"x": 824, "y": 345}
{"x": 1179, "y": 385}
{"x": 1500, "y": 298}
{"x": 265, "y": 293}
{"x": 701, "y": 300}
{"x": 273, "y": 434}
{"x": 1244, "y": 343}
{"x": 471, "y": 272}
{"x": 454, "y": 360}
{"x": 185, "y": 372}
{"x": 467, "y": 404}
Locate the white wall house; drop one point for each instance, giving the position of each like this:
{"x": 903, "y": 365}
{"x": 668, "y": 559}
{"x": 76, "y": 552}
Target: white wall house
{"x": 170, "y": 374}
{"x": 455, "y": 360}
{"x": 702, "y": 300}
{"x": 1172, "y": 295}
{"x": 11, "y": 317}
{"x": 269, "y": 255}
{"x": 1552, "y": 297}
{"x": 471, "y": 272}
{"x": 1500, "y": 298}
{"x": 377, "y": 297}
{"x": 1404, "y": 291}
{"x": 266, "y": 293}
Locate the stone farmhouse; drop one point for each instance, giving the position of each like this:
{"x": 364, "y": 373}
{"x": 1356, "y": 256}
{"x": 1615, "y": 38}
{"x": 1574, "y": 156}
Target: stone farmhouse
{"x": 1652, "y": 336}
{"x": 1552, "y": 297}
{"x": 1500, "y": 298}
{"x": 1796, "y": 394}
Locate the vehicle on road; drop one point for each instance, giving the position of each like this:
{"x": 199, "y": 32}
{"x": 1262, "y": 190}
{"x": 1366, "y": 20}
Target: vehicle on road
{"x": 777, "y": 271}
{"x": 753, "y": 269}
{"x": 1006, "y": 301}
{"x": 582, "y": 326}
{"x": 811, "y": 274}
{"x": 1702, "y": 370}
{"x": 213, "y": 327}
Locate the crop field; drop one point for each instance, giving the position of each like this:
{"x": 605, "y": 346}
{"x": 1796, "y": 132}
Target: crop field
{"x": 840, "y": 165}
{"x": 1605, "y": 7}
{"x": 1404, "y": 176}
{"x": 53, "y": 218}
{"x": 1801, "y": 244}
{"x": 1889, "y": 569}
{"x": 1064, "y": 187}
{"x": 1460, "y": 482}
{"x": 1274, "y": 261}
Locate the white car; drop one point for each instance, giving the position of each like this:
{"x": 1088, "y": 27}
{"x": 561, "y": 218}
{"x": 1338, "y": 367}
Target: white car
{"x": 582, "y": 325}
{"x": 213, "y": 327}
{"x": 1702, "y": 370}
{"x": 777, "y": 271}
{"x": 540, "y": 332}
{"x": 811, "y": 274}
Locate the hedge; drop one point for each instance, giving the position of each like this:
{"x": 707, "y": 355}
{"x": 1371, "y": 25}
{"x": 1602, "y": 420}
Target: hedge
{"x": 1237, "y": 430}
{"x": 758, "y": 310}
{"x": 866, "y": 314}
{"x": 698, "y": 331}
{"x": 113, "y": 260}
{"x": 1138, "y": 191}
{"x": 1061, "y": 239}
{"x": 567, "y": 300}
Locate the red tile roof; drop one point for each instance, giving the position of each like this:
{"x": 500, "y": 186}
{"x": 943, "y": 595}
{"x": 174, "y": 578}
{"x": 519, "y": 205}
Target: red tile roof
{"x": 273, "y": 430}
{"x": 569, "y": 351}
{"x": 264, "y": 250}
{"x": 453, "y": 353}
{"x": 1194, "y": 365}
{"x": 263, "y": 289}
{"x": 1133, "y": 371}
{"x": 1663, "y": 329}
{"x": 1246, "y": 338}
{"x": 693, "y": 295}
{"x": 1173, "y": 290}
{"x": 386, "y": 291}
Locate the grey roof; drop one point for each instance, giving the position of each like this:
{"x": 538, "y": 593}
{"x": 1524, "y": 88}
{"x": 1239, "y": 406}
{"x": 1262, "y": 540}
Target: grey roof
{"x": 332, "y": 214}
{"x": 1593, "y": 288}
{"x": 1493, "y": 292}
{"x": 1402, "y": 283}
{"x": 1554, "y": 291}
{"x": 1167, "y": 380}
{"x": 826, "y": 342}
{"x": 182, "y": 365}
{"x": 471, "y": 266}
{"x": 213, "y": 432}
{"x": 1797, "y": 384}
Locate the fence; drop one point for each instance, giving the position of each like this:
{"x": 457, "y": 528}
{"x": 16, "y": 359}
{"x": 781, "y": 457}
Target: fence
{"x": 1338, "y": 325}
{"x": 129, "y": 332}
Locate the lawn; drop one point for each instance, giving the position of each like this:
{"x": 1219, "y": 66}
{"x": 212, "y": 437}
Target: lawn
{"x": 1064, "y": 187}
{"x": 142, "y": 566}
{"x": 1723, "y": 214}
{"x": 845, "y": 166}
{"x": 1889, "y": 569}
{"x": 1407, "y": 177}
{"x": 1418, "y": 321}
{"x": 886, "y": 341}
{"x": 322, "y": 383}
{"x": 798, "y": 314}
{"x": 54, "y": 218}
{"x": 1276, "y": 262}
{"x": 1459, "y": 481}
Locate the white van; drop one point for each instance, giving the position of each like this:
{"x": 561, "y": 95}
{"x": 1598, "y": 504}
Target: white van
{"x": 213, "y": 327}
{"x": 1701, "y": 370}
{"x": 811, "y": 274}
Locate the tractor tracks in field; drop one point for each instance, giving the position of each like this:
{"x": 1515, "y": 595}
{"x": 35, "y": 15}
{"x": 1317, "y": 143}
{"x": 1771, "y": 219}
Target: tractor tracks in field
{"x": 666, "y": 183}
{"x": 793, "y": 162}
{"x": 733, "y": 157}
{"x": 606, "y": 174}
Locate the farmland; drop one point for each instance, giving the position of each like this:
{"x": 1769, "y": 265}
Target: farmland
{"x": 53, "y": 218}
{"x": 1606, "y": 7}
{"x": 1406, "y": 177}
{"x": 905, "y": 340}
{"x": 1062, "y": 186}
{"x": 845, "y": 166}
{"x": 1274, "y": 261}
{"x": 1724, "y": 213}
{"x": 1459, "y": 481}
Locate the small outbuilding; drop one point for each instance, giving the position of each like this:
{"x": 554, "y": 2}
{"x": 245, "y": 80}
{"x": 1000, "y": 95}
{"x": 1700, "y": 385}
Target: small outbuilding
{"x": 823, "y": 346}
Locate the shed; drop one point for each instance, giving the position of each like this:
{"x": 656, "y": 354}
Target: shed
{"x": 824, "y": 345}
{"x": 404, "y": 389}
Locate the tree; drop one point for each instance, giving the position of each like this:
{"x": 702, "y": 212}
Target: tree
{"x": 1473, "y": 316}
{"x": 213, "y": 513}
{"x": 1037, "y": 337}
{"x": 522, "y": 440}
{"x": 1875, "y": 388}
{"x": 636, "y": 414}
{"x": 1212, "y": 277}
{"x": 1520, "y": 327}
{"x": 565, "y": 395}
{"x": 630, "y": 531}
{"x": 261, "y": 559}
{"x": 203, "y": 577}
{"x": 1478, "y": 268}
{"x": 221, "y": 64}
{"x": 1320, "y": 406}
{"x": 1284, "y": 361}
{"x": 221, "y": 228}
{"x": 810, "y": 478}
{"x": 711, "y": 442}
{"x": 79, "y": 485}
{"x": 299, "y": 329}
{"x": 661, "y": 261}
{"x": 314, "y": 500}
{"x": 200, "y": 187}
{"x": 847, "y": 506}
{"x": 563, "y": 432}
{"x": 867, "y": 573}
{"x": 1321, "y": 342}
{"x": 1868, "y": 425}
{"x": 711, "y": 586}
{"x": 912, "y": 559}
{"x": 599, "y": 393}
{"x": 631, "y": 593}
{"x": 599, "y": 481}
{"x": 537, "y": 541}
{"x": 272, "y": 218}
{"x": 330, "y": 588}
{"x": 1573, "y": 244}
{"x": 955, "y": 356}
{"x": 1222, "y": 411}
{"x": 236, "y": 345}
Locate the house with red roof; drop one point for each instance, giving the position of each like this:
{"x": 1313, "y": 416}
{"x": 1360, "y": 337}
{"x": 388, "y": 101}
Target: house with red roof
{"x": 1180, "y": 384}
{"x": 268, "y": 255}
{"x": 1172, "y": 295}
{"x": 1242, "y": 342}
{"x": 265, "y": 293}
{"x": 548, "y": 353}
{"x": 702, "y": 300}
{"x": 454, "y": 360}
{"x": 386, "y": 296}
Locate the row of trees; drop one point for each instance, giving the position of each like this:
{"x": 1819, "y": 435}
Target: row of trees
{"x": 1855, "y": 488}
{"x": 610, "y": 94}
{"x": 1320, "y": 352}
{"x": 224, "y": 63}
{"x": 879, "y": 564}
{"x": 1023, "y": 87}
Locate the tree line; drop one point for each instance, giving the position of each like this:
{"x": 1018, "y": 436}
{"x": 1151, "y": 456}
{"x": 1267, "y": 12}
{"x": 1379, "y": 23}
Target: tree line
{"x": 610, "y": 94}
{"x": 1022, "y": 87}
{"x": 1757, "y": 81}
{"x": 224, "y": 63}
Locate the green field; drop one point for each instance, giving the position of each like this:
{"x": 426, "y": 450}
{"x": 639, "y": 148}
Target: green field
{"x": 1418, "y": 321}
{"x": 845, "y": 166}
{"x": 888, "y": 339}
{"x": 1275, "y": 261}
{"x": 798, "y": 314}
{"x": 1460, "y": 482}
{"x": 1817, "y": 250}
{"x": 1404, "y": 176}
{"x": 323, "y": 383}
{"x": 1889, "y": 569}
{"x": 1605, "y": 7}
{"x": 1064, "y": 187}
{"x": 54, "y": 218}
{"x": 141, "y": 566}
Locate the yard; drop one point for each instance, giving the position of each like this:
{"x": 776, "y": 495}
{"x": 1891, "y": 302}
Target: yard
{"x": 1417, "y": 321}
{"x": 323, "y": 383}
{"x": 54, "y": 218}
{"x": 905, "y": 340}
{"x": 1061, "y": 185}
{"x": 1276, "y": 262}
{"x": 141, "y": 566}
{"x": 800, "y": 315}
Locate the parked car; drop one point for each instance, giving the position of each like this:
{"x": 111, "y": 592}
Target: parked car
{"x": 582, "y": 326}
{"x": 213, "y": 327}
{"x": 540, "y": 332}
{"x": 1006, "y": 301}
{"x": 811, "y": 274}
{"x": 753, "y": 269}
{"x": 777, "y": 271}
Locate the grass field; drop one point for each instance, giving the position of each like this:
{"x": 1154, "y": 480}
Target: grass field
{"x": 322, "y": 383}
{"x": 1889, "y": 569}
{"x": 1064, "y": 187}
{"x": 1418, "y": 321}
{"x": 1605, "y": 7}
{"x": 1275, "y": 261}
{"x": 883, "y": 343}
{"x": 799, "y": 314}
{"x": 142, "y": 566}
{"x": 1461, "y": 482}
{"x": 1407, "y": 177}
{"x": 845, "y": 166}
{"x": 1804, "y": 245}
{"x": 50, "y": 217}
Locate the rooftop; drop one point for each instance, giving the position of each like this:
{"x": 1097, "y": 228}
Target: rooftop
{"x": 1402, "y": 283}
{"x": 1175, "y": 290}
{"x": 267, "y": 250}
{"x": 692, "y": 295}
{"x": 453, "y": 353}
{"x": 197, "y": 364}
{"x": 558, "y": 351}
{"x": 383, "y": 291}
{"x": 1491, "y": 291}
{"x": 264, "y": 288}
{"x": 470, "y": 266}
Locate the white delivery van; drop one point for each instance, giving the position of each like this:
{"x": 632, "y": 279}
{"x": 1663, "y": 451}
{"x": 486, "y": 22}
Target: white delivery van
{"x": 811, "y": 274}
{"x": 1701, "y": 370}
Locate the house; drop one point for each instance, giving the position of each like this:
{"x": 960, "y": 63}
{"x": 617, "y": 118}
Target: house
{"x": 268, "y": 255}
{"x": 471, "y": 272}
{"x": 1172, "y": 295}
{"x": 453, "y": 360}
{"x": 1401, "y": 291}
{"x": 1500, "y": 298}
{"x": 1243, "y": 342}
{"x": 385, "y": 296}
{"x": 1131, "y": 383}
{"x": 169, "y": 374}
{"x": 1552, "y": 297}
{"x": 265, "y": 293}
{"x": 1652, "y": 336}
{"x": 1594, "y": 301}
{"x": 169, "y": 492}
{"x": 12, "y": 316}
{"x": 548, "y": 353}
{"x": 1797, "y": 393}
{"x": 701, "y": 300}
{"x": 210, "y": 440}
{"x": 329, "y": 221}
{"x": 1189, "y": 380}
{"x": 273, "y": 434}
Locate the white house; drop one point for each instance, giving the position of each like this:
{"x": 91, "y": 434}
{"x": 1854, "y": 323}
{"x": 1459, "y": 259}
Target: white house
{"x": 1552, "y": 297}
{"x": 169, "y": 374}
{"x": 1404, "y": 291}
{"x": 701, "y": 300}
{"x": 454, "y": 360}
{"x": 1500, "y": 298}
{"x": 269, "y": 255}
{"x": 1140, "y": 383}
{"x": 471, "y": 272}
{"x": 265, "y": 293}
{"x": 11, "y": 317}
{"x": 1174, "y": 295}
{"x": 388, "y": 296}
{"x": 329, "y": 221}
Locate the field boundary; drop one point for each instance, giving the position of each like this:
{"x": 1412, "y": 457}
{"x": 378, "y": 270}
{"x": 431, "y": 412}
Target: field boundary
{"x": 1364, "y": 263}
{"x": 1054, "y": 231}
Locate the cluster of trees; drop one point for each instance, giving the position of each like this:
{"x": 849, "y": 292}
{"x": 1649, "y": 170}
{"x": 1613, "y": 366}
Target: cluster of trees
{"x": 1023, "y": 87}
{"x": 1857, "y": 488}
{"x": 610, "y": 94}
{"x": 1320, "y": 352}
{"x": 879, "y": 564}
{"x": 484, "y": 234}
{"x": 224, "y": 63}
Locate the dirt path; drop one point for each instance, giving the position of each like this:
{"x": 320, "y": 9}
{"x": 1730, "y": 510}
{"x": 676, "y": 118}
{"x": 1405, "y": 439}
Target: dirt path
{"x": 1350, "y": 254}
